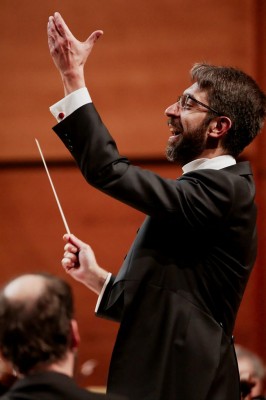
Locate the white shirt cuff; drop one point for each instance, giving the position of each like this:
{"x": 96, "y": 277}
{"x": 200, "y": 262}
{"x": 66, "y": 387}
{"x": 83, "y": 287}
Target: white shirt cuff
{"x": 102, "y": 291}
{"x": 70, "y": 103}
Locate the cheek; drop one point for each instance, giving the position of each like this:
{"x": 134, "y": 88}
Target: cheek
{"x": 191, "y": 122}
{"x": 184, "y": 122}
{"x": 188, "y": 125}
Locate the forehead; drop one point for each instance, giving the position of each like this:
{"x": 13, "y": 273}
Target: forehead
{"x": 196, "y": 92}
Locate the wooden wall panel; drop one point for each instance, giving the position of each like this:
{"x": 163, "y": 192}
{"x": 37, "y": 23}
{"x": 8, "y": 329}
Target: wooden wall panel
{"x": 137, "y": 69}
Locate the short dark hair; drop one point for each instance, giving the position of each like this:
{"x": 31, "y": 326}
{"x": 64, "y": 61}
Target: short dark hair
{"x": 40, "y": 332}
{"x": 236, "y": 95}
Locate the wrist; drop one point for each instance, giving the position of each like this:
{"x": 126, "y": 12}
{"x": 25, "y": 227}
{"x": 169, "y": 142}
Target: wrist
{"x": 96, "y": 281}
{"x": 101, "y": 279}
{"x": 73, "y": 80}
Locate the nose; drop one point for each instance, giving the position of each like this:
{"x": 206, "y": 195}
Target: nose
{"x": 172, "y": 110}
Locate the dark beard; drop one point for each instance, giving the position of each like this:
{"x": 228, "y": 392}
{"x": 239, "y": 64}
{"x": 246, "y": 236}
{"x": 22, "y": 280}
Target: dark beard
{"x": 189, "y": 147}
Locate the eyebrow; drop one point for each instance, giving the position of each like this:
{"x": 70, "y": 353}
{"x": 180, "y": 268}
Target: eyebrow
{"x": 191, "y": 97}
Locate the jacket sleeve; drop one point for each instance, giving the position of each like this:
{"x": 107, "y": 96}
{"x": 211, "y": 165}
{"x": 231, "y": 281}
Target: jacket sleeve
{"x": 114, "y": 312}
{"x": 196, "y": 199}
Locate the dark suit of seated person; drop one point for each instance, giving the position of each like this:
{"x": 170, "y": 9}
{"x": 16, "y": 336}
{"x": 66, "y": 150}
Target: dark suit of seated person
{"x": 7, "y": 376}
{"x": 39, "y": 337}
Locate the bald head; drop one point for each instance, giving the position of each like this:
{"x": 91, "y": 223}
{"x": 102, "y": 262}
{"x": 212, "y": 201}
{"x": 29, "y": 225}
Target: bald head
{"x": 35, "y": 320}
{"x": 25, "y": 288}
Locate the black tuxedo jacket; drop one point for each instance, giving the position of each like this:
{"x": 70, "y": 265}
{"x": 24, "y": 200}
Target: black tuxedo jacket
{"x": 51, "y": 386}
{"x": 179, "y": 289}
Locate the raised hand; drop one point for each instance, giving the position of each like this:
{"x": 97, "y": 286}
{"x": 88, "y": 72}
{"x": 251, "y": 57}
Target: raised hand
{"x": 79, "y": 261}
{"x": 68, "y": 53}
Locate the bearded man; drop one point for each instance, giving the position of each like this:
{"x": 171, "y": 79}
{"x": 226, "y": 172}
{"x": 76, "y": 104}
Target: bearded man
{"x": 178, "y": 291}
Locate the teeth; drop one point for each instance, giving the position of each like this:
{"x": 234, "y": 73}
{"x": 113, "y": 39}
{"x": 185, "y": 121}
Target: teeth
{"x": 174, "y": 130}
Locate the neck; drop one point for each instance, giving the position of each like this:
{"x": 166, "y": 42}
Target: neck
{"x": 211, "y": 153}
{"x": 64, "y": 366}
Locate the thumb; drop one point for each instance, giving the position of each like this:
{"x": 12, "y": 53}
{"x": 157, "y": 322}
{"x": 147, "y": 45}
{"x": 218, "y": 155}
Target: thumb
{"x": 94, "y": 37}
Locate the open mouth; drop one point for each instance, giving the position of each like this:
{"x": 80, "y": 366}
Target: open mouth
{"x": 175, "y": 136}
{"x": 174, "y": 129}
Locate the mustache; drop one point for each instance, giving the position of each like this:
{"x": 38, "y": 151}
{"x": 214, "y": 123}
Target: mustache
{"x": 170, "y": 122}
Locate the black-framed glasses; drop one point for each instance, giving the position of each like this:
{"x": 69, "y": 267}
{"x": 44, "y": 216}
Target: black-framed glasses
{"x": 183, "y": 103}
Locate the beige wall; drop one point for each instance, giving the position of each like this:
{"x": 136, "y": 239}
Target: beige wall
{"x": 138, "y": 67}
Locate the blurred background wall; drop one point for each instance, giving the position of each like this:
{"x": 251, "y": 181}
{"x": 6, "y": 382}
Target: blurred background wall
{"x": 136, "y": 70}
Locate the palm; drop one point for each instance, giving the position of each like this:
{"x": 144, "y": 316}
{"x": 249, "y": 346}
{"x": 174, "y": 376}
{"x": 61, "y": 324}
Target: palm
{"x": 68, "y": 53}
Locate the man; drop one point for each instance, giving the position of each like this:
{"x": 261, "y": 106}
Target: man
{"x": 7, "y": 376}
{"x": 179, "y": 289}
{"x": 252, "y": 373}
{"x": 39, "y": 337}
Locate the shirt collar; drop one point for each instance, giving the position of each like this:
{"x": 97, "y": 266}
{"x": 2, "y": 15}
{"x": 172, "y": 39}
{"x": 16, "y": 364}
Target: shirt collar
{"x": 209, "y": 163}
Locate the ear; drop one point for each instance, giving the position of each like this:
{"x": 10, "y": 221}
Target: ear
{"x": 219, "y": 127}
{"x": 75, "y": 338}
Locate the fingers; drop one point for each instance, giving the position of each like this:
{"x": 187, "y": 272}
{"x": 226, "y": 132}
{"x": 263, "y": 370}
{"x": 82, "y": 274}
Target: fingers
{"x": 70, "y": 259}
{"x": 57, "y": 29}
{"x": 66, "y": 237}
{"x": 57, "y": 25}
{"x": 61, "y": 26}
{"x": 69, "y": 248}
{"x": 67, "y": 264}
{"x": 71, "y": 254}
{"x": 75, "y": 241}
{"x": 54, "y": 37}
{"x": 51, "y": 33}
